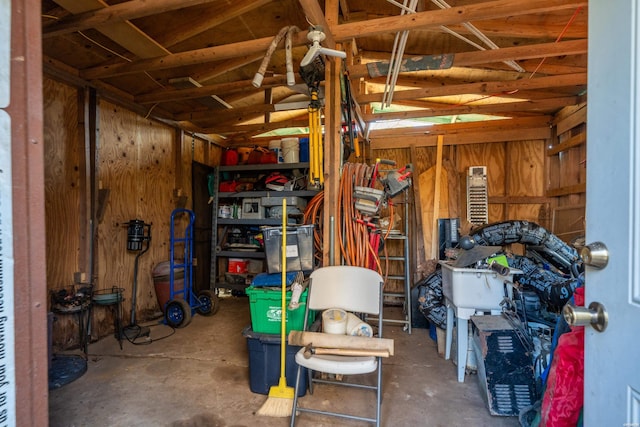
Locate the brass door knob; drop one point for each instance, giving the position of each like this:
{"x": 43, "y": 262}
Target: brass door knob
{"x": 595, "y": 315}
{"x": 595, "y": 255}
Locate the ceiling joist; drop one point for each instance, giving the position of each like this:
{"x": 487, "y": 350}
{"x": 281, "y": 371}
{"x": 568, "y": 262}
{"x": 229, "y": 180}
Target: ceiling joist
{"x": 343, "y": 32}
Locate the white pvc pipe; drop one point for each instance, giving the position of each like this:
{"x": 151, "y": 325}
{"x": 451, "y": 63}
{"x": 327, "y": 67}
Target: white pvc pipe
{"x": 257, "y": 79}
{"x": 396, "y": 57}
{"x": 288, "y": 44}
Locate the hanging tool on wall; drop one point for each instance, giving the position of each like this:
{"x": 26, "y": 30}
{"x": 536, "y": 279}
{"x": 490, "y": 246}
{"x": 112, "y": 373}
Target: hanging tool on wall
{"x": 312, "y": 74}
{"x": 316, "y": 155}
{"x": 350, "y": 136}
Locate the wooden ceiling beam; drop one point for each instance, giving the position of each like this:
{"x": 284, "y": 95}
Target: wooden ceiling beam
{"x": 504, "y": 107}
{"x": 124, "y": 33}
{"x": 201, "y": 92}
{"x": 241, "y": 114}
{"x": 356, "y": 71}
{"x": 479, "y": 137}
{"x": 455, "y": 15}
{"x": 465, "y": 59}
{"x": 343, "y": 32}
{"x": 258, "y": 128}
{"x": 118, "y": 13}
{"x": 463, "y": 127}
{"x": 484, "y": 88}
{"x": 314, "y": 14}
{"x": 221, "y": 14}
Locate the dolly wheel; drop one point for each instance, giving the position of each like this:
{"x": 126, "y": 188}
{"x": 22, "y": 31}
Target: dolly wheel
{"x": 178, "y": 313}
{"x": 209, "y": 303}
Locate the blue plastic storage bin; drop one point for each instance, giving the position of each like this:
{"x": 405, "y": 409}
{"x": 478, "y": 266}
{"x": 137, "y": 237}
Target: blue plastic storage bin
{"x": 264, "y": 363}
{"x": 304, "y": 149}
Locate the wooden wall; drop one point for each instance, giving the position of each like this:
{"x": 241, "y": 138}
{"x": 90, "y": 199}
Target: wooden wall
{"x": 566, "y": 176}
{"x": 145, "y": 168}
{"x": 63, "y": 176}
{"x": 516, "y": 178}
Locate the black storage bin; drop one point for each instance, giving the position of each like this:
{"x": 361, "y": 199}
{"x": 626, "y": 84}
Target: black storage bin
{"x": 264, "y": 362}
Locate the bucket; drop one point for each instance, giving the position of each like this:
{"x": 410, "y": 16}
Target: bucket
{"x": 238, "y": 266}
{"x": 334, "y": 321}
{"x": 276, "y": 146}
{"x": 162, "y": 282}
{"x": 304, "y": 150}
{"x": 290, "y": 150}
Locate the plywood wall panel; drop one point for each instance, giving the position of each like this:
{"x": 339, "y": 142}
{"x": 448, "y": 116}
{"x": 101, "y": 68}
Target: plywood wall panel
{"x": 62, "y": 181}
{"x": 524, "y": 168}
{"x": 136, "y": 165}
{"x": 62, "y": 198}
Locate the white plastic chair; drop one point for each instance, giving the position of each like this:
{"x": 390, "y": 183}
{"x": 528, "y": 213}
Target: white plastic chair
{"x": 354, "y": 289}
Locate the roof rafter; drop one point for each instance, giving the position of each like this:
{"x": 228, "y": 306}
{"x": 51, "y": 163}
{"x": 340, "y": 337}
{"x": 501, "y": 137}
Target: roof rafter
{"x": 343, "y": 32}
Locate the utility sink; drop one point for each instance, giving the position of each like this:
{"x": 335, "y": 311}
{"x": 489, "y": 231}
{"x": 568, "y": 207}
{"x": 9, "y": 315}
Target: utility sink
{"x": 479, "y": 289}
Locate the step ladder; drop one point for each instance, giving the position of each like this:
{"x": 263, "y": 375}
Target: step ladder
{"x": 404, "y": 261}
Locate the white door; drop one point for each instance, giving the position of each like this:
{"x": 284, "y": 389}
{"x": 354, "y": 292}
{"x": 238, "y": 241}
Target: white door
{"x": 612, "y": 358}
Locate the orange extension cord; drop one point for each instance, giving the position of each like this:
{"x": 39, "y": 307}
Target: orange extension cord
{"x": 354, "y": 232}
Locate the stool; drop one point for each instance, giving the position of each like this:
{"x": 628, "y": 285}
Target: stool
{"x": 112, "y": 297}
{"x": 462, "y": 316}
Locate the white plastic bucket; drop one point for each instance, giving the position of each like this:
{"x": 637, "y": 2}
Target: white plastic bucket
{"x": 276, "y": 146}
{"x": 334, "y": 321}
{"x": 290, "y": 150}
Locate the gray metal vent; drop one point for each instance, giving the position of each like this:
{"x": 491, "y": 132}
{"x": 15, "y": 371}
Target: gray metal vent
{"x": 477, "y": 197}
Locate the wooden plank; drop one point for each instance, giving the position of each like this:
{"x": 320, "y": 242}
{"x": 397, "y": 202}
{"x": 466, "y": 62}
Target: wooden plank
{"x": 223, "y": 12}
{"x": 574, "y": 141}
{"x": 259, "y": 128}
{"x": 315, "y": 16}
{"x": 471, "y": 137}
{"x": 572, "y": 121}
{"x": 436, "y": 197}
{"x": 417, "y": 238}
{"x": 464, "y": 127}
{"x": 573, "y": 189}
{"x": 242, "y": 86}
{"x": 503, "y": 107}
{"x": 427, "y": 200}
{"x": 123, "y": 33}
{"x": 515, "y": 53}
{"x": 520, "y": 200}
{"x": 455, "y": 15}
{"x": 62, "y": 182}
{"x": 118, "y": 13}
{"x": 484, "y": 88}
{"x": 320, "y": 339}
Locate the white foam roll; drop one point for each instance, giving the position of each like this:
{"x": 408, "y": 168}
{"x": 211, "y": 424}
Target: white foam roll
{"x": 356, "y": 327}
{"x": 334, "y": 321}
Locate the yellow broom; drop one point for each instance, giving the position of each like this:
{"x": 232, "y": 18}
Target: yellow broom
{"x": 280, "y": 400}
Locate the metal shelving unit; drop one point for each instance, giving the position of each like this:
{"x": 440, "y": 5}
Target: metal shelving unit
{"x": 216, "y": 278}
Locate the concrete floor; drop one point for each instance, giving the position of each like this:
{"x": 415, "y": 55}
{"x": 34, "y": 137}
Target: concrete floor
{"x": 199, "y": 377}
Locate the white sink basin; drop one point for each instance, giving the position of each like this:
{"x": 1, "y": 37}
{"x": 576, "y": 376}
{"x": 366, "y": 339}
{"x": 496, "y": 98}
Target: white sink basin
{"x": 480, "y": 289}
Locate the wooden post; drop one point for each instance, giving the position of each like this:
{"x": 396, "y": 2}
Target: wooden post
{"x": 436, "y": 197}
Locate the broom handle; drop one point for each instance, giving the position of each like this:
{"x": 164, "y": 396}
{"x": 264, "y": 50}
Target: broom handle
{"x": 283, "y": 318}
